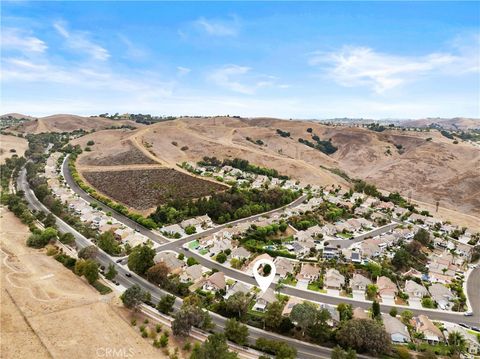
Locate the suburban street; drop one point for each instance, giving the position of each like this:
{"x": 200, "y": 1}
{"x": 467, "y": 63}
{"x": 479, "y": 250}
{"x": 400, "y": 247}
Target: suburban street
{"x": 473, "y": 284}
{"x": 305, "y": 350}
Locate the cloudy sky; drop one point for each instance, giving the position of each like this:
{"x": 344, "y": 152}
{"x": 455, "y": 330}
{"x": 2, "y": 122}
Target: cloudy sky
{"x": 289, "y": 60}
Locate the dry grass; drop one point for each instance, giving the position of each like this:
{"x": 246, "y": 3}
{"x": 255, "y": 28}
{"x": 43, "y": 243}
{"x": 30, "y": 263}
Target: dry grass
{"x": 8, "y": 143}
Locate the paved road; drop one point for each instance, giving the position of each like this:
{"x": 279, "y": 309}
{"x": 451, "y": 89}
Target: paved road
{"x": 344, "y": 243}
{"x": 305, "y": 350}
{"x": 473, "y": 286}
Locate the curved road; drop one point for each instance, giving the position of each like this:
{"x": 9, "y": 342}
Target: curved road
{"x": 304, "y": 350}
{"x": 473, "y": 283}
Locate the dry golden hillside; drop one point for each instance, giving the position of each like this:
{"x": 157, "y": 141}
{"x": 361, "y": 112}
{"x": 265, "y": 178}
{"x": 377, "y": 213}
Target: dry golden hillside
{"x": 68, "y": 123}
{"x": 394, "y": 160}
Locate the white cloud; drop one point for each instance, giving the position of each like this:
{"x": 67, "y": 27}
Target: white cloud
{"x": 16, "y": 39}
{"x": 218, "y": 27}
{"x": 225, "y": 77}
{"x": 362, "y": 66}
{"x": 79, "y": 41}
{"x": 132, "y": 49}
{"x": 182, "y": 71}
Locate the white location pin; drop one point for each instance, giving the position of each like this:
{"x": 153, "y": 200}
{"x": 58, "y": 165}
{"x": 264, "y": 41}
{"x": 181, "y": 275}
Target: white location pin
{"x": 264, "y": 281}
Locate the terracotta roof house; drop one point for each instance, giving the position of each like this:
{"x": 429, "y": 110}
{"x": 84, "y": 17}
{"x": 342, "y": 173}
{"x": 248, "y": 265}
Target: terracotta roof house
{"x": 442, "y": 295}
{"x": 261, "y": 256}
{"x": 396, "y": 329}
{"x": 432, "y": 334}
{"x": 415, "y": 290}
{"x": 215, "y": 282}
{"x": 333, "y": 279}
{"x": 359, "y": 282}
{"x": 386, "y": 289}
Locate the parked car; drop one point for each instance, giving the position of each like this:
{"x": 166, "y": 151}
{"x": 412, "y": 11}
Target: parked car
{"x": 468, "y": 314}
{"x": 464, "y": 325}
{"x": 128, "y": 274}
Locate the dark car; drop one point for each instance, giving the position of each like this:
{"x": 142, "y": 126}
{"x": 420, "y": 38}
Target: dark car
{"x": 128, "y": 274}
{"x": 464, "y": 325}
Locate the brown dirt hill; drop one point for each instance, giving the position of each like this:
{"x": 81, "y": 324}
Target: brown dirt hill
{"x": 17, "y": 116}
{"x": 424, "y": 170}
{"x": 68, "y": 123}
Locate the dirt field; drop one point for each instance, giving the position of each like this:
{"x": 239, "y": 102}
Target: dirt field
{"x": 47, "y": 311}
{"x": 7, "y": 143}
{"x": 147, "y": 188}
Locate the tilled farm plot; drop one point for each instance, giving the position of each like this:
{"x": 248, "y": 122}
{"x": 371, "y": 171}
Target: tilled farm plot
{"x": 144, "y": 189}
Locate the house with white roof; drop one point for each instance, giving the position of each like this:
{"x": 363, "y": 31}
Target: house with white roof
{"x": 442, "y": 295}
{"x": 334, "y": 281}
{"x": 264, "y": 299}
{"x": 359, "y": 285}
{"x": 415, "y": 292}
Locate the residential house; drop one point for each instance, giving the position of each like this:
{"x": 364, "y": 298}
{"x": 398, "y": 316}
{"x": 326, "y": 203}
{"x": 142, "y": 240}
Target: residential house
{"x": 215, "y": 282}
{"x": 330, "y": 252}
{"x": 334, "y": 281}
{"x": 415, "y": 292}
{"x": 240, "y": 253}
{"x": 387, "y": 290}
{"x": 173, "y": 230}
{"x": 284, "y": 266}
{"x": 237, "y": 287}
{"x": 220, "y": 246}
{"x": 442, "y": 295}
{"x": 359, "y": 285}
{"x": 308, "y": 273}
{"x": 472, "y": 343}
{"x": 170, "y": 259}
{"x": 252, "y": 263}
{"x": 292, "y": 301}
{"x": 396, "y": 329}
{"x": 432, "y": 334}
{"x": 360, "y": 313}
{"x": 192, "y": 273}
{"x": 264, "y": 299}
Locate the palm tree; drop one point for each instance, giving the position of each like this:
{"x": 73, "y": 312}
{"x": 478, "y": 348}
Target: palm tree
{"x": 456, "y": 341}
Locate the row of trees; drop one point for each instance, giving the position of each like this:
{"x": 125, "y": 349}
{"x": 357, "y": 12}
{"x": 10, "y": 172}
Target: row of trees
{"x": 226, "y": 206}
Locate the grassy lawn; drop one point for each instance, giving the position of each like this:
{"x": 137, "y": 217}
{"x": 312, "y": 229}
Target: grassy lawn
{"x": 345, "y": 235}
{"x": 193, "y": 245}
{"x": 316, "y": 288}
{"x": 203, "y": 251}
{"x": 290, "y": 280}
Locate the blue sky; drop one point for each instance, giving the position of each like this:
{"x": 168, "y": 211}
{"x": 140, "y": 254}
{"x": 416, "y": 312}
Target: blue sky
{"x": 283, "y": 59}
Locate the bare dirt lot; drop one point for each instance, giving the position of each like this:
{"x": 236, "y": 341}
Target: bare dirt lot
{"x": 147, "y": 188}
{"x": 48, "y": 312}
{"x": 8, "y": 143}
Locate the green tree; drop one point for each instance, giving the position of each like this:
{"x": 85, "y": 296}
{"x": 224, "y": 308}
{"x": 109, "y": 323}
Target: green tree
{"x": 393, "y": 312}
{"x": 303, "y": 314}
{"x": 364, "y": 336}
{"x": 108, "y": 243}
{"x": 50, "y": 221}
{"x": 339, "y": 353}
{"x": 90, "y": 271}
{"x": 141, "y": 259}
{"x": 190, "y": 315}
{"x": 422, "y": 236}
{"x": 237, "y": 304}
{"x": 236, "y": 331}
{"x": 273, "y": 315}
{"x": 221, "y": 257}
{"x": 376, "y": 314}
{"x": 372, "y": 291}
{"x": 165, "y": 305}
{"x": 158, "y": 274}
{"x": 88, "y": 252}
{"x": 67, "y": 238}
{"x": 280, "y": 349}
{"x": 345, "y": 311}
{"x": 456, "y": 342}
{"x": 112, "y": 272}
{"x": 191, "y": 261}
{"x": 190, "y": 230}
{"x": 133, "y": 297}
{"x": 215, "y": 347}
{"x": 406, "y": 316}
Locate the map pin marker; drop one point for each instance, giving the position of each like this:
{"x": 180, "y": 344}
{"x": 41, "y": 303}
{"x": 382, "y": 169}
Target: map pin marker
{"x": 264, "y": 279}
